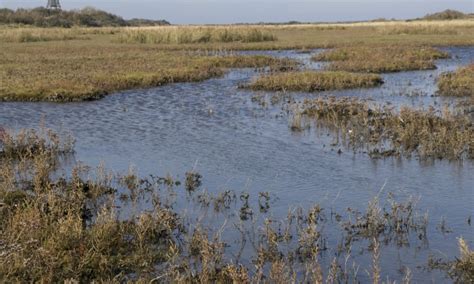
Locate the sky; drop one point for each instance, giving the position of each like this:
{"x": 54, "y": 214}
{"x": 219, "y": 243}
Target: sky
{"x": 245, "y": 11}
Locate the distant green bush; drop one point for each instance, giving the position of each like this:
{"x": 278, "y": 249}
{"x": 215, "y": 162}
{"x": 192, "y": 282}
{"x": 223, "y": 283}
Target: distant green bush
{"x": 88, "y": 17}
{"x": 447, "y": 15}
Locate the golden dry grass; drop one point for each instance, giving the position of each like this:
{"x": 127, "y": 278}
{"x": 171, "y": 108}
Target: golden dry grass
{"x": 192, "y": 35}
{"x": 76, "y": 70}
{"x": 459, "y": 83}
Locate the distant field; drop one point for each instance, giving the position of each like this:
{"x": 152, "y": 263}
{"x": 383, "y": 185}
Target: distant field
{"x": 69, "y": 64}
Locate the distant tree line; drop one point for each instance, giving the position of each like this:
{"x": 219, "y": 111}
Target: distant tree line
{"x": 87, "y": 17}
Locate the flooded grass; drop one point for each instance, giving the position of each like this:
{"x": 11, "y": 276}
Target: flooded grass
{"x": 381, "y": 59}
{"x": 459, "y": 83}
{"x": 460, "y": 270}
{"x": 383, "y": 131}
{"x": 76, "y": 228}
{"x": 313, "y": 81}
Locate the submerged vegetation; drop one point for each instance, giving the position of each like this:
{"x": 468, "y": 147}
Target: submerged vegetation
{"x": 383, "y": 131}
{"x": 313, "y": 81}
{"x": 460, "y": 270}
{"x": 459, "y": 83}
{"x": 381, "y": 59}
{"x": 73, "y": 227}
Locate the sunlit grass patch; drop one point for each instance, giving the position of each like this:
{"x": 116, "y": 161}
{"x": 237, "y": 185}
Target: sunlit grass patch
{"x": 22, "y": 35}
{"x": 380, "y": 59}
{"x": 190, "y": 35}
{"x": 314, "y": 81}
{"x": 79, "y": 72}
{"x": 459, "y": 83}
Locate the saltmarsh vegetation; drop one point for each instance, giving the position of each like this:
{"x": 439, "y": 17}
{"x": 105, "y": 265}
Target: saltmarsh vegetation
{"x": 381, "y": 59}
{"x": 79, "y": 71}
{"x": 74, "y": 227}
{"x": 87, "y": 63}
{"x": 189, "y": 35}
{"x": 314, "y": 81}
{"x": 384, "y": 131}
{"x": 23, "y": 35}
{"x": 459, "y": 83}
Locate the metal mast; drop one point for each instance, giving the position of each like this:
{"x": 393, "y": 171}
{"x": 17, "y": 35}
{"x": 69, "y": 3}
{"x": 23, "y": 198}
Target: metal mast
{"x": 53, "y": 5}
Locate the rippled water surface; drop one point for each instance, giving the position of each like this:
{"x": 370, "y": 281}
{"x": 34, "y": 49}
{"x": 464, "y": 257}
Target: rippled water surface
{"x": 238, "y": 144}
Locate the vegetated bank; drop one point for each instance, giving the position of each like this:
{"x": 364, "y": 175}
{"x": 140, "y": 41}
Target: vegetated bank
{"x": 314, "y": 81}
{"x": 78, "y": 71}
{"x": 459, "y": 83}
{"x": 88, "y": 226}
{"x": 381, "y": 59}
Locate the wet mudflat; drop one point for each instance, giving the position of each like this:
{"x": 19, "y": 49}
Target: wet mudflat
{"x": 235, "y": 143}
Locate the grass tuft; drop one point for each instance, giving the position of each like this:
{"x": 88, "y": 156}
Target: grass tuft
{"x": 381, "y": 59}
{"x": 459, "y": 83}
{"x": 192, "y": 35}
{"x": 313, "y": 81}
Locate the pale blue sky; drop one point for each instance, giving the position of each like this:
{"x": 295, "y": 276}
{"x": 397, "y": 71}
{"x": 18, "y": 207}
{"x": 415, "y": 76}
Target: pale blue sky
{"x": 236, "y": 11}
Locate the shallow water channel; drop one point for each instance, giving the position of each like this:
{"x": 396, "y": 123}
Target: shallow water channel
{"x": 237, "y": 144}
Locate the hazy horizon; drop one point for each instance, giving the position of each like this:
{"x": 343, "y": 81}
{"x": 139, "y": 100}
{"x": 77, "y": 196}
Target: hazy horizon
{"x": 244, "y": 11}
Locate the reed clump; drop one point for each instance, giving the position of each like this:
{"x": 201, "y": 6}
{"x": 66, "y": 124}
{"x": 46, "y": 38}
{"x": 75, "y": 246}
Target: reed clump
{"x": 37, "y": 35}
{"x": 384, "y": 131}
{"x": 381, "y": 59}
{"x": 313, "y": 81}
{"x": 459, "y": 83}
{"x": 30, "y": 142}
{"x": 192, "y": 35}
{"x": 460, "y": 270}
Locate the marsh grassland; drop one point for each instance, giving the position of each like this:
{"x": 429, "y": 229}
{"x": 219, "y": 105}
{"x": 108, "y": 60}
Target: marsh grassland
{"x": 62, "y": 220}
{"x": 39, "y": 64}
{"x": 381, "y": 59}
